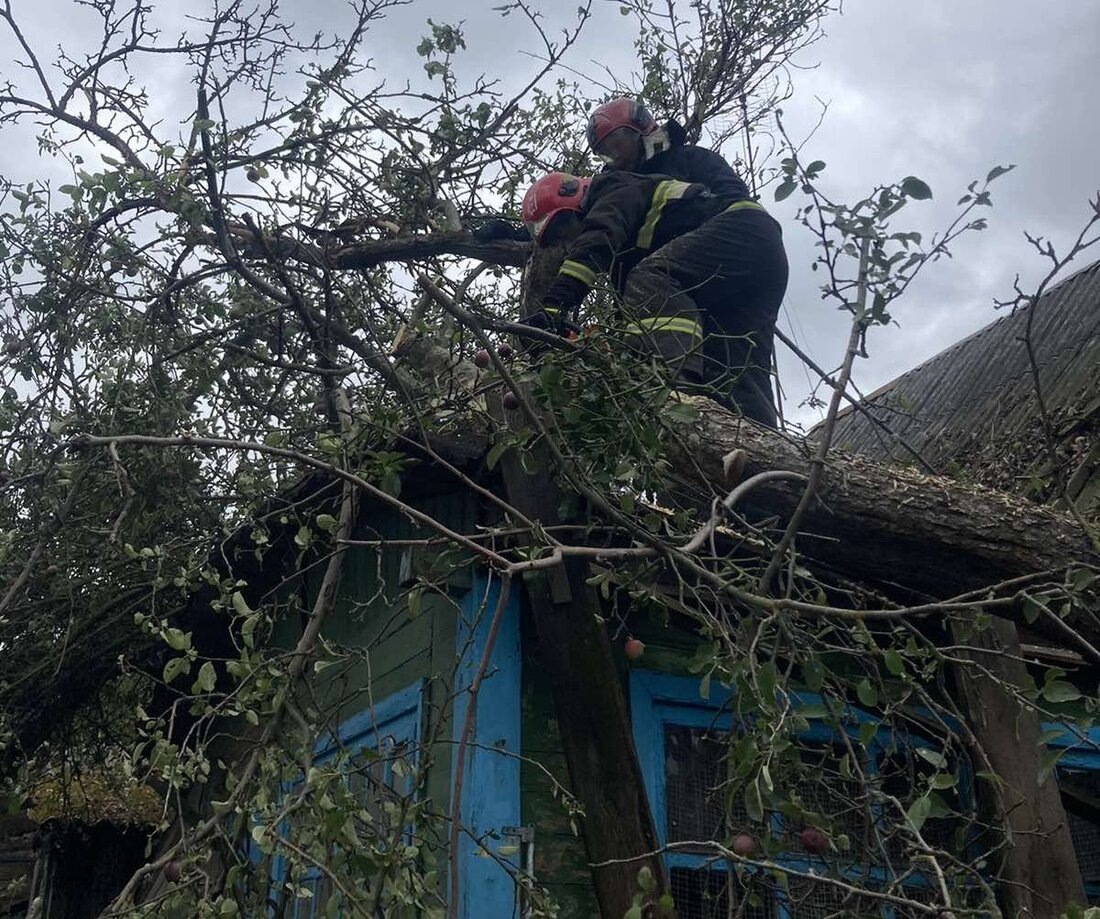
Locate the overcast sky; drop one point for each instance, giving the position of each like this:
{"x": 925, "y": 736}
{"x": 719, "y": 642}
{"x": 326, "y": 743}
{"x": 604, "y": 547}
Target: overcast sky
{"x": 941, "y": 89}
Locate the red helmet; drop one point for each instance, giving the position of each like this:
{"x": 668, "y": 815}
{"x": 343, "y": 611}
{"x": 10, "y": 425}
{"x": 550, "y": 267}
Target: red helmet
{"x": 548, "y": 197}
{"x": 623, "y": 112}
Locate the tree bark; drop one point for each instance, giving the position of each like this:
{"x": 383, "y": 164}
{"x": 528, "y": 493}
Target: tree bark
{"x": 1039, "y": 874}
{"x": 371, "y": 252}
{"x": 889, "y": 525}
{"x": 596, "y": 738}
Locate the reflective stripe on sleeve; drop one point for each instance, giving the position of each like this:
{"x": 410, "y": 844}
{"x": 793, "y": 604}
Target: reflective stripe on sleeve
{"x": 666, "y": 191}
{"x": 582, "y": 273}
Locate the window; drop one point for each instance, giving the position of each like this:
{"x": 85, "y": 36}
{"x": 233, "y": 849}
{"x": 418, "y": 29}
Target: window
{"x": 683, "y": 746}
{"x": 1078, "y": 774}
{"x": 381, "y": 745}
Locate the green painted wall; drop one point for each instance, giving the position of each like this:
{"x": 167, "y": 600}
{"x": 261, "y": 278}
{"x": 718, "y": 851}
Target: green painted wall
{"x": 391, "y": 643}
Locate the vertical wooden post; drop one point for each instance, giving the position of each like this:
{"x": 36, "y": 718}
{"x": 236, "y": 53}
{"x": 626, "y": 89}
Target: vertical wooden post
{"x": 591, "y": 710}
{"x": 1039, "y": 874}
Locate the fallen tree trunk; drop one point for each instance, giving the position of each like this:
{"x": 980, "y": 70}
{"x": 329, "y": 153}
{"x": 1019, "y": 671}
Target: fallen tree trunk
{"x": 915, "y": 536}
{"x": 929, "y": 535}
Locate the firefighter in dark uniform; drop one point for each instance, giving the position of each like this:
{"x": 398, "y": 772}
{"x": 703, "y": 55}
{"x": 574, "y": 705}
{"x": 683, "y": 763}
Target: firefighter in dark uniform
{"x": 685, "y": 260}
{"x": 739, "y": 252}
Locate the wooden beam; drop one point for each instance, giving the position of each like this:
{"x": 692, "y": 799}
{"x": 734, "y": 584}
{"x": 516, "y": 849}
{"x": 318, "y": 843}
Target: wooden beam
{"x": 596, "y": 736}
{"x": 1039, "y": 876}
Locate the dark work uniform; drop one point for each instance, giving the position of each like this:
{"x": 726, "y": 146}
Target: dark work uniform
{"x": 701, "y": 275}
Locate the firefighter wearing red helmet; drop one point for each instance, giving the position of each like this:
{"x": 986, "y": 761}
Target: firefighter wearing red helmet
{"x": 626, "y": 136}
{"x": 700, "y": 275}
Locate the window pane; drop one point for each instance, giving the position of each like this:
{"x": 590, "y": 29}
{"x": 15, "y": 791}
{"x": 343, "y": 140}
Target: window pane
{"x": 810, "y": 900}
{"x": 841, "y": 801}
{"x": 1085, "y": 832}
{"x": 695, "y": 770}
{"x": 381, "y": 780}
{"x": 904, "y": 775}
{"x": 702, "y": 893}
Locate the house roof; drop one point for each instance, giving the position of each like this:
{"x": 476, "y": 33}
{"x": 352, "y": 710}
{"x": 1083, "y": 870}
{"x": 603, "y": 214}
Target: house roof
{"x": 974, "y": 404}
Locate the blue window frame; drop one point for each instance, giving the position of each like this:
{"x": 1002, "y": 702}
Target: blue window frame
{"x": 390, "y": 732}
{"x": 668, "y": 715}
{"x": 492, "y": 842}
{"x": 1078, "y": 770}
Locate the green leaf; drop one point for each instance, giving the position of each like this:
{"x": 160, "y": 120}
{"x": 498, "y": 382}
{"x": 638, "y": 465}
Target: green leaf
{"x": 304, "y": 537}
{"x": 786, "y": 187}
{"x": 635, "y": 912}
{"x": 767, "y": 679}
{"x": 327, "y": 522}
{"x": 206, "y": 679}
{"x": 918, "y": 812}
{"x": 1048, "y": 761}
{"x": 645, "y": 879}
{"x": 1082, "y": 578}
{"x": 867, "y": 693}
{"x": 1061, "y": 691}
{"x": 997, "y": 171}
{"x": 813, "y": 672}
{"x": 177, "y": 666}
{"x": 915, "y": 188}
{"x": 496, "y": 451}
{"x": 391, "y": 483}
{"x": 248, "y": 631}
{"x": 934, "y": 757}
{"x": 754, "y": 806}
{"x": 815, "y": 167}
{"x": 894, "y": 662}
{"x": 177, "y": 640}
{"x": 867, "y": 732}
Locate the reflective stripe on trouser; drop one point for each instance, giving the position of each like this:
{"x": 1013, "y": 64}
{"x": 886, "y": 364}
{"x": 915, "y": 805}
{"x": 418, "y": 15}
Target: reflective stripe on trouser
{"x": 664, "y": 322}
{"x": 729, "y": 275}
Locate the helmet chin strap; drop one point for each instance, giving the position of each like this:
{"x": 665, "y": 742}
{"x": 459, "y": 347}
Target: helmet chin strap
{"x": 653, "y": 143}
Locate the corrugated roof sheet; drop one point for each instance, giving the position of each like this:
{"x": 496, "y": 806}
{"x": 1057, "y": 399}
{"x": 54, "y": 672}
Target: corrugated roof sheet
{"x": 977, "y": 398}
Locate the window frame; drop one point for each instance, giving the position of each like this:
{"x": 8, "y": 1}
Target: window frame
{"x": 658, "y": 699}
{"x": 398, "y": 715}
{"x": 1081, "y": 753}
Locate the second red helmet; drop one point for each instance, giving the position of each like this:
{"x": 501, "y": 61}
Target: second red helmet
{"x": 548, "y": 197}
{"x": 623, "y": 112}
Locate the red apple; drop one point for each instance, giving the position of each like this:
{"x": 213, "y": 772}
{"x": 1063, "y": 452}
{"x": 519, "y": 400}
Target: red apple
{"x": 634, "y": 648}
{"x": 511, "y": 401}
{"x": 814, "y": 841}
{"x": 172, "y": 872}
{"x": 744, "y": 845}
{"x": 505, "y": 351}
{"x": 481, "y": 359}
{"x": 253, "y": 174}
{"x": 13, "y": 346}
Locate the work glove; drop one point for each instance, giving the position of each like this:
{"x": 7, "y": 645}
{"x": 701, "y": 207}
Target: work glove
{"x": 549, "y": 321}
{"x": 495, "y": 229}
